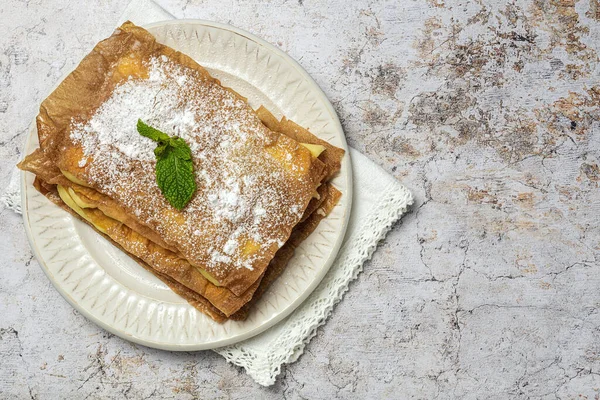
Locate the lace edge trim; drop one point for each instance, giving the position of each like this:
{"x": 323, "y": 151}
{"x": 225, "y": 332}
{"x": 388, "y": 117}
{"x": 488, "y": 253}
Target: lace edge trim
{"x": 11, "y": 199}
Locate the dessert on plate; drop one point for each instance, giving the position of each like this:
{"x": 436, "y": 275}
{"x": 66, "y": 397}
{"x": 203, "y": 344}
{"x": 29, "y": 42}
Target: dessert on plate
{"x": 211, "y": 196}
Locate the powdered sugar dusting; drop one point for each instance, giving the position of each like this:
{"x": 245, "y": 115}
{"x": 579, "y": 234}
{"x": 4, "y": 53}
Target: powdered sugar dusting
{"x": 242, "y": 200}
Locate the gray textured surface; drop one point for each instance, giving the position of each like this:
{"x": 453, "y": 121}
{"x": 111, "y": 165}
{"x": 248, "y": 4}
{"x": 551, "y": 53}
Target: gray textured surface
{"x": 488, "y": 289}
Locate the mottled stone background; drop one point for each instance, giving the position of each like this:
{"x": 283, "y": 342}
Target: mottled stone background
{"x": 487, "y": 110}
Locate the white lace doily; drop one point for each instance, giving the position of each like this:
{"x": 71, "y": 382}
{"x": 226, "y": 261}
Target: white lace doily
{"x": 378, "y": 202}
{"x": 11, "y": 198}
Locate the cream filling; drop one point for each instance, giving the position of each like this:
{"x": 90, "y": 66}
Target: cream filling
{"x": 69, "y": 201}
{"x": 73, "y": 178}
{"x": 78, "y": 200}
{"x": 315, "y": 149}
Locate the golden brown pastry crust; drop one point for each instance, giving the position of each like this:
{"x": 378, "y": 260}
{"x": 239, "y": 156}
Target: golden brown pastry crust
{"x": 331, "y": 157}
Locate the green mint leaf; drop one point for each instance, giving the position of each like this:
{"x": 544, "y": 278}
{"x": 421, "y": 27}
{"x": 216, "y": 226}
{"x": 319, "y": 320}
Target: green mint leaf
{"x": 151, "y": 133}
{"x": 181, "y": 148}
{"x": 160, "y": 149}
{"x": 174, "y": 166}
{"x": 175, "y": 177}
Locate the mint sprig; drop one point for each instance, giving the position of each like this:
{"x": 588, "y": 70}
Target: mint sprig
{"x": 174, "y": 166}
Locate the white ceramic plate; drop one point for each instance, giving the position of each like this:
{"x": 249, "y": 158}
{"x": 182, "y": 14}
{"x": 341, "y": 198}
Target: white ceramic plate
{"x": 112, "y": 290}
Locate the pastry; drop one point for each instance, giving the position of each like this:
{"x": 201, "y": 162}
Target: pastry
{"x": 257, "y": 181}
